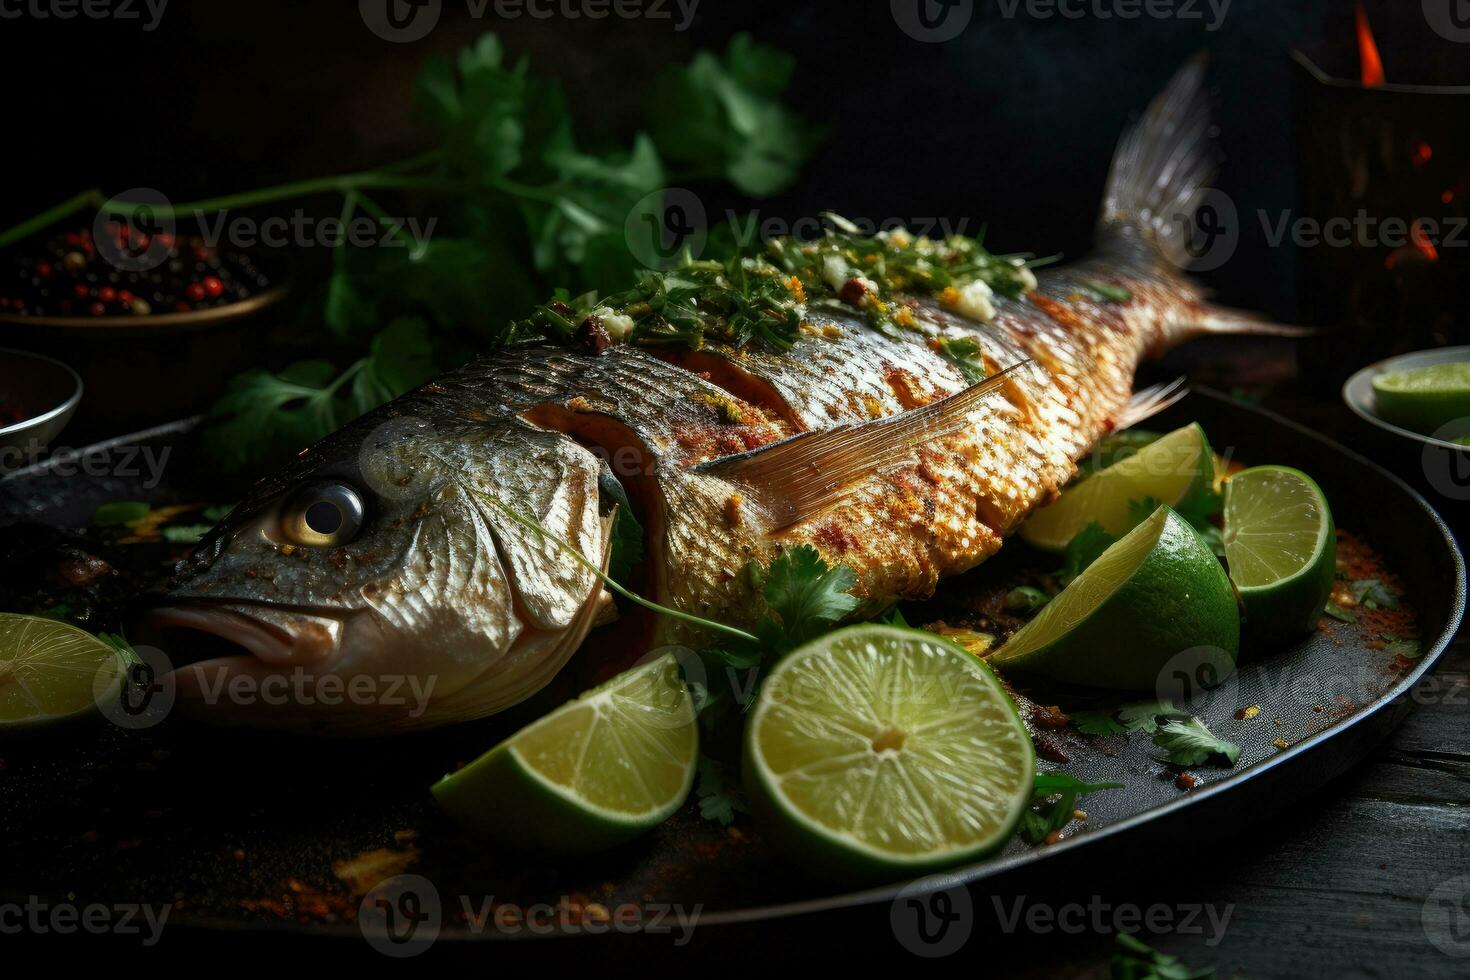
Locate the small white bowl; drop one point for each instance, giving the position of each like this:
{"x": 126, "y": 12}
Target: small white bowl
{"x": 46, "y": 389}
{"x": 1358, "y": 392}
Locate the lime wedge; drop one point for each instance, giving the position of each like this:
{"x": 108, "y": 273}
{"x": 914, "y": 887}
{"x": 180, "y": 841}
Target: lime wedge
{"x": 877, "y": 751}
{"x": 1425, "y": 399}
{"x": 1157, "y": 592}
{"x": 1281, "y": 549}
{"x": 52, "y": 671}
{"x": 1167, "y": 470}
{"x": 594, "y": 773}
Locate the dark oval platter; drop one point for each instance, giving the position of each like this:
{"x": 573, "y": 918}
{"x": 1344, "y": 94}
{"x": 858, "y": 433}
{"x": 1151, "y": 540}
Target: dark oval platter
{"x": 239, "y": 830}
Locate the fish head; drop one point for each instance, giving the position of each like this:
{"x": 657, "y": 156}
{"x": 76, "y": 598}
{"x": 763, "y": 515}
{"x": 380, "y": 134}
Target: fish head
{"x": 416, "y": 565}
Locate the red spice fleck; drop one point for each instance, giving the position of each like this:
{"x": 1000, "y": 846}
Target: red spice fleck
{"x": 1186, "y": 781}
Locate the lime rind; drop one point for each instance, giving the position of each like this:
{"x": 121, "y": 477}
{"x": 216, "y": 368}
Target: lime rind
{"x": 52, "y": 672}
{"x": 1281, "y": 549}
{"x": 1121, "y": 631}
{"x": 1167, "y": 470}
{"x": 510, "y": 794}
{"x": 1094, "y": 586}
{"x": 926, "y": 783}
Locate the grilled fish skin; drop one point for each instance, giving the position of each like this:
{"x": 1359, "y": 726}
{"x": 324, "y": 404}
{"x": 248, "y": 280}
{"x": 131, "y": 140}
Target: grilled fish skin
{"x": 416, "y": 574}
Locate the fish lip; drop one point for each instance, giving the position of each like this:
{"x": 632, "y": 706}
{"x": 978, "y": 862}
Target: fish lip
{"x": 248, "y": 626}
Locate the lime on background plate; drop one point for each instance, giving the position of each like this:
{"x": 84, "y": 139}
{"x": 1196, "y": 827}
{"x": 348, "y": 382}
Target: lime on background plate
{"x": 1425, "y": 398}
{"x": 594, "y": 773}
{"x": 877, "y": 751}
{"x": 1167, "y": 470}
{"x": 51, "y": 671}
{"x": 1281, "y": 548}
{"x": 1154, "y": 593}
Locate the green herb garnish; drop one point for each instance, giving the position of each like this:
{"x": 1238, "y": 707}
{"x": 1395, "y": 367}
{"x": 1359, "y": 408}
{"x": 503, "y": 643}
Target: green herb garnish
{"x": 116, "y": 512}
{"x": 1054, "y": 800}
{"x": 1190, "y": 743}
{"x": 1140, "y": 961}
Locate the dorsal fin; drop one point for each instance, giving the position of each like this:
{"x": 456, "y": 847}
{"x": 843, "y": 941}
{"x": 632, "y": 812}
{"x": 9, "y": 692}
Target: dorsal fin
{"x": 797, "y": 477}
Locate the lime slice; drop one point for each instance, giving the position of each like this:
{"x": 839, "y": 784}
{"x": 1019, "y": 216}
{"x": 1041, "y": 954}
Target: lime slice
{"x": 1425, "y": 399}
{"x": 1166, "y": 470}
{"x": 594, "y": 773}
{"x": 1157, "y": 592}
{"x": 1281, "y": 549}
{"x": 52, "y": 671}
{"x": 877, "y": 751}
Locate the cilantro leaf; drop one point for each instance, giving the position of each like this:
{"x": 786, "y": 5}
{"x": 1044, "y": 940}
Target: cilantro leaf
{"x": 1140, "y": 716}
{"x": 1116, "y": 294}
{"x": 723, "y": 115}
{"x": 1190, "y": 743}
{"x": 185, "y": 533}
{"x": 1140, "y": 961}
{"x": 719, "y": 798}
{"x": 1339, "y": 613}
{"x": 965, "y": 353}
{"x": 1084, "y": 549}
{"x": 806, "y": 595}
{"x": 1408, "y": 649}
{"x": 1373, "y": 594}
{"x": 262, "y": 413}
{"x": 116, "y": 512}
{"x": 1025, "y": 600}
{"x": 1047, "y": 815}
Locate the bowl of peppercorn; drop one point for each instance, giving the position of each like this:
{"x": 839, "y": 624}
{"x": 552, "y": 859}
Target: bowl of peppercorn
{"x": 174, "y": 316}
{"x": 38, "y": 397}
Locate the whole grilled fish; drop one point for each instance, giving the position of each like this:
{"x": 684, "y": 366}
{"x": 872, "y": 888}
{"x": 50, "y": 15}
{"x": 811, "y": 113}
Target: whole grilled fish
{"x": 390, "y": 551}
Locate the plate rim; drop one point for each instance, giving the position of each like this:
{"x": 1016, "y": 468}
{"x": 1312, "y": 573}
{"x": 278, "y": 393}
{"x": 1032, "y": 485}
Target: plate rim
{"x": 1366, "y": 375}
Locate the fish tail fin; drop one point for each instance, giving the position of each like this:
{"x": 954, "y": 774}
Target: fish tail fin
{"x": 1163, "y": 166}
{"x": 1215, "y": 319}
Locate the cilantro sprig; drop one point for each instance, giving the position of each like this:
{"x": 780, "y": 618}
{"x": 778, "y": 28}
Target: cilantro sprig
{"x": 1053, "y": 803}
{"x": 515, "y": 201}
{"x": 1186, "y": 739}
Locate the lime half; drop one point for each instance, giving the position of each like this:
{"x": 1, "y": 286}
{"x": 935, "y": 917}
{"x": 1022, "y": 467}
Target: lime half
{"x": 1281, "y": 549}
{"x": 52, "y": 671}
{"x": 1424, "y": 399}
{"x": 877, "y": 751}
{"x": 1166, "y": 470}
{"x": 1157, "y": 592}
{"x": 594, "y": 773}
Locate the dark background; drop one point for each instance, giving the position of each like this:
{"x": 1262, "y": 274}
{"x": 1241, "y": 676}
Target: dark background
{"x": 1011, "y": 125}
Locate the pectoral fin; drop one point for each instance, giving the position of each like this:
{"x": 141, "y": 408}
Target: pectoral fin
{"x": 797, "y": 477}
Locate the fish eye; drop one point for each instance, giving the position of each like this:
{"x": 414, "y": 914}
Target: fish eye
{"x": 323, "y": 515}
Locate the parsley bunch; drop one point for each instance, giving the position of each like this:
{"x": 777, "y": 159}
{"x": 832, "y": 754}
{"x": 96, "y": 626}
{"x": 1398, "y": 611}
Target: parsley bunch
{"x": 522, "y": 201}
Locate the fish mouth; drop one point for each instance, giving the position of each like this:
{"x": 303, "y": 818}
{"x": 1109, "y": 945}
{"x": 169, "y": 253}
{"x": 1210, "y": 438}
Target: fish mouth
{"x": 191, "y": 634}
